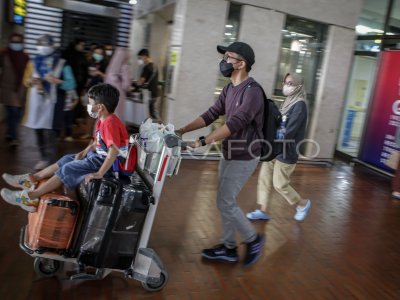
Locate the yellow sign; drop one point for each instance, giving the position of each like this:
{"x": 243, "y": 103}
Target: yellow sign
{"x": 173, "y": 58}
{"x": 18, "y": 11}
{"x": 20, "y": 3}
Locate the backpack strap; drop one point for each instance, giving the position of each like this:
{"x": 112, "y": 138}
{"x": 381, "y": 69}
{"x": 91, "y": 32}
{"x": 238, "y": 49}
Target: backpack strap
{"x": 253, "y": 123}
{"x": 104, "y": 148}
{"x": 252, "y": 84}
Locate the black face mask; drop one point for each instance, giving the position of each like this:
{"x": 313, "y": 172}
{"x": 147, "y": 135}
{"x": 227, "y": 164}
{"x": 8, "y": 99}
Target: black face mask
{"x": 226, "y": 68}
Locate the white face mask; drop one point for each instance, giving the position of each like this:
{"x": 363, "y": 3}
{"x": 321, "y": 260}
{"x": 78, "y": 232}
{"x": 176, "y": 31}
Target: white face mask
{"x": 288, "y": 90}
{"x": 109, "y": 52}
{"x": 140, "y": 62}
{"x": 92, "y": 114}
{"x": 45, "y": 50}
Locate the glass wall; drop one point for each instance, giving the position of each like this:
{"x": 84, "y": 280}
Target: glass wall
{"x": 372, "y": 18}
{"x": 392, "y": 38}
{"x": 378, "y": 29}
{"x": 303, "y": 43}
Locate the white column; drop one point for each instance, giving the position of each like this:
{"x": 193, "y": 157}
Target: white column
{"x": 136, "y": 41}
{"x": 262, "y": 30}
{"x": 198, "y": 29}
{"x": 331, "y": 91}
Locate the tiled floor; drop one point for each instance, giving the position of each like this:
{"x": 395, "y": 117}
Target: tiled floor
{"x": 348, "y": 248}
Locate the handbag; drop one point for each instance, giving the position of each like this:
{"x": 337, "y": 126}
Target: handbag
{"x": 393, "y": 160}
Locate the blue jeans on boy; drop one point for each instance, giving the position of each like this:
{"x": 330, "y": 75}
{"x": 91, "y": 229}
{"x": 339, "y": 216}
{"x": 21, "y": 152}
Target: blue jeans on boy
{"x": 72, "y": 172}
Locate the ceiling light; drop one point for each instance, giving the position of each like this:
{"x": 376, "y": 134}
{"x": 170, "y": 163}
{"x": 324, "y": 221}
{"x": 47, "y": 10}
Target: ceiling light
{"x": 361, "y": 29}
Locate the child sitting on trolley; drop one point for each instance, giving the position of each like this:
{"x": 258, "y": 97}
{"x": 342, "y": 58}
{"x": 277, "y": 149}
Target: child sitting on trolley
{"x": 110, "y": 142}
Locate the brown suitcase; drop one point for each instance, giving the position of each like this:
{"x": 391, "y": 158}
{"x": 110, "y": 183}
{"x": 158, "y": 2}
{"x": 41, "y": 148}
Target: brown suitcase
{"x": 52, "y": 225}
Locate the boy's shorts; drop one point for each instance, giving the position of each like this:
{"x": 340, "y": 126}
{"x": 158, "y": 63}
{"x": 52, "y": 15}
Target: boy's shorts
{"x": 72, "y": 172}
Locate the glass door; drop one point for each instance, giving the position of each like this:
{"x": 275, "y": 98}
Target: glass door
{"x": 302, "y": 49}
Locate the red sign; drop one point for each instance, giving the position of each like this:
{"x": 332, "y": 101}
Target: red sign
{"x": 382, "y": 135}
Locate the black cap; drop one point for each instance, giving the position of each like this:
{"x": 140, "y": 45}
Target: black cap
{"x": 240, "y": 48}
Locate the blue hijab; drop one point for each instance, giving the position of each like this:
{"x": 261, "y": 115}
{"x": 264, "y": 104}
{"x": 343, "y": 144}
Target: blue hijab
{"x": 43, "y": 69}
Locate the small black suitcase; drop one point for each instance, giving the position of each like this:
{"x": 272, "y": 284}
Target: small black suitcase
{"x": 115, "y": 221}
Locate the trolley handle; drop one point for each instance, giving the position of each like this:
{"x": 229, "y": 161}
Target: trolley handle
{"x": 172, "y": 141}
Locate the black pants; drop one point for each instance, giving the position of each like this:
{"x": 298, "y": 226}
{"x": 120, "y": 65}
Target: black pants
{"x": 68, "y": 122}
{"x": 153, "y": 109}
{"x": 13, "y": 117}
{"x": 47, "y": 143}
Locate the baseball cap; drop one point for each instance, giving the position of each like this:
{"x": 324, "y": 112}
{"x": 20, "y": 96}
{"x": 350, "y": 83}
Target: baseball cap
{"x": 240, "y": 48}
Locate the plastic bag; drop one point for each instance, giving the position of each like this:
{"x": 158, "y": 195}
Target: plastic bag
{"x": 152, "y": 135}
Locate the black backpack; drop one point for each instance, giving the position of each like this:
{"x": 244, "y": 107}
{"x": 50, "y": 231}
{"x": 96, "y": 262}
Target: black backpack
{"x": 270, "y": 147}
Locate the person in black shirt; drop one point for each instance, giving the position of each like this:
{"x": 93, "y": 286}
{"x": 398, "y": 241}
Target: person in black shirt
{"x": 149, "y": 78}
{"x": 76, "y": 58}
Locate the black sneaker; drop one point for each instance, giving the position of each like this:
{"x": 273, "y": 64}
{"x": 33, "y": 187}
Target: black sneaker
{"x": 220, "y": 252}
{"x": 253, "y": 251}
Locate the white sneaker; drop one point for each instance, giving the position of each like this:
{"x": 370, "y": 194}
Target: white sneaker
{"x": 301, "y": 212}
{"x": 19, "y": 181}
{"x": 41, "y": 164}
{"x": 20, "y": 198}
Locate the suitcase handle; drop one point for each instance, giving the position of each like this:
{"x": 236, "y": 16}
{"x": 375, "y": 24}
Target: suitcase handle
{"x": 72, "y": 205}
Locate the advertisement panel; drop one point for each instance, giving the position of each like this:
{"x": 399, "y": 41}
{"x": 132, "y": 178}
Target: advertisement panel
{"x": 382, "y": 135}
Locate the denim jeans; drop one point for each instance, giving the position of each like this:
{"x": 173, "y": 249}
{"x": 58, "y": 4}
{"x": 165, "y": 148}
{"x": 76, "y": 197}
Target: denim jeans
{"x": 72, "y": 172}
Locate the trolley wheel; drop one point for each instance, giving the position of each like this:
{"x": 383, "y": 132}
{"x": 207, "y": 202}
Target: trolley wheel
{"x": 46, "y": 267}
{"x": 156, "y": 286}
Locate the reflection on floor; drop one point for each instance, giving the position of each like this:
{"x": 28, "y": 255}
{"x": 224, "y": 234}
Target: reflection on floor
{"x": 348, "y": 247}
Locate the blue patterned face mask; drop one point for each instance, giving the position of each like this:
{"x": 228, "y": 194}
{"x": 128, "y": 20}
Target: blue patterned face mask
{"x": 97, "y": 57}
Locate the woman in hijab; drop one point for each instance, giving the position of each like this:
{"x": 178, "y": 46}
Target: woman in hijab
{"x": 13, "y": 62}
{"x": 48, "y": 78}
{"x": 276, "y": 174}
{"x": 118, "y": 74}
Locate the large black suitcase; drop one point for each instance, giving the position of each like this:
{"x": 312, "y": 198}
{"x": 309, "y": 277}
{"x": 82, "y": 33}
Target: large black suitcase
{"x": 115, "y": 219}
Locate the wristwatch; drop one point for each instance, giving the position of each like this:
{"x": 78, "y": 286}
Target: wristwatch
{"x": 202, "y": 140}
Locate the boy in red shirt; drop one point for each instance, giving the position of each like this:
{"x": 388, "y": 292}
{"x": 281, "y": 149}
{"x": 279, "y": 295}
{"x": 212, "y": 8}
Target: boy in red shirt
{"x": 91, "y": 163}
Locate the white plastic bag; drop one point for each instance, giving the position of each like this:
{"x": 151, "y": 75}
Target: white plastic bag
{"x": 151, "y": 136}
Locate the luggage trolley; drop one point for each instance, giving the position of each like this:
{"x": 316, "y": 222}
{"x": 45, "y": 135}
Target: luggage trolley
{"x": 146, "y": 265}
